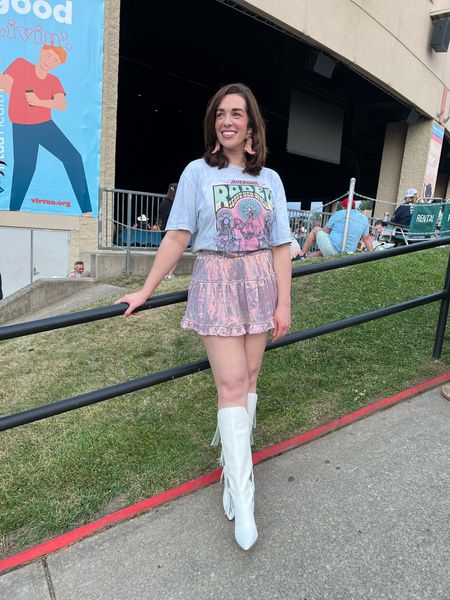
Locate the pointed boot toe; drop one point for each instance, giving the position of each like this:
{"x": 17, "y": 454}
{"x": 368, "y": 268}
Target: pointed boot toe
{"x": 245, "y": 531}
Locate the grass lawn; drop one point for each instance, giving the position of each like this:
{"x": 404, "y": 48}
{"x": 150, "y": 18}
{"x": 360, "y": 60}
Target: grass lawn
{"x": 62, "y": 472}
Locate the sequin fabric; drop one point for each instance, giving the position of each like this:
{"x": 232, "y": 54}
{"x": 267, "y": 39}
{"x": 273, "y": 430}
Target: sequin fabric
{"x": 231, "y": 295}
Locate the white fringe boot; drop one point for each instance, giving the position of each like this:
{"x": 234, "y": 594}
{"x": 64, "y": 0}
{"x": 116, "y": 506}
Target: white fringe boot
{"x": 235, "y": 434}
{"x": 227, "y": 500}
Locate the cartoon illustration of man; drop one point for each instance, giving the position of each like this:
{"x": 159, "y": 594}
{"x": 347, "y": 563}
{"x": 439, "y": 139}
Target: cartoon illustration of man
{"x": 34, "y": 93}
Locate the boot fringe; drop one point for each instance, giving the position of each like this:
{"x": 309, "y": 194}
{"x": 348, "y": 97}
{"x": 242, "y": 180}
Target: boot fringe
{"x": 228, "y": 504}
{"x": 216, "y": 438}
{"x": 251, "y": 430}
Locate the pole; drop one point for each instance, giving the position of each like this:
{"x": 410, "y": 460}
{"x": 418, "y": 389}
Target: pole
{"x": 351, "y": 191}
{"x": 100, "y": 217}
{"x": 128, "y": 255}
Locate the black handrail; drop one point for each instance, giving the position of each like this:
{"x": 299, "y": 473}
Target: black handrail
{"x": 105, "y": 312}
{"x": 61, "y": 406}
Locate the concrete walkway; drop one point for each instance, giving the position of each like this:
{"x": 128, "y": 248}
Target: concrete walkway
{"x": 362, "y": 513}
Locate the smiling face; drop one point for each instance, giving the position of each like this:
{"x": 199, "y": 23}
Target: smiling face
{"x": 231, "y": 125}
{"x": 48, "y": 60}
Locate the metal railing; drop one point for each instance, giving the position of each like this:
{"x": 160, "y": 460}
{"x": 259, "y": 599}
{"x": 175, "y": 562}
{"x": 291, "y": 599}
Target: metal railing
{"x": 129, "y": 219}
{"x": 303, "y": 221}
{"x": 62, "y": 406}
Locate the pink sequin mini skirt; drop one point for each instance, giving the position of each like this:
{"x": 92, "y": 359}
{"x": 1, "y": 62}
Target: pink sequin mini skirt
{"x": 231, "y": 294}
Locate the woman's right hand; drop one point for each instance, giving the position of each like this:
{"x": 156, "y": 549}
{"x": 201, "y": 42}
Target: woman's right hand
{"x": 134, "y": 300}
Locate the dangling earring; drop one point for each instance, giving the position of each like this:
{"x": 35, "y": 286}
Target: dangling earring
{"x": 248, "y": 148}
{"x": 216, "y": 148}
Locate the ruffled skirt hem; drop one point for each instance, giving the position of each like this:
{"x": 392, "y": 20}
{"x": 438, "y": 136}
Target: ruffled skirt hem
{"x": 231, "y": 296}
{"x": 228, "y": 331}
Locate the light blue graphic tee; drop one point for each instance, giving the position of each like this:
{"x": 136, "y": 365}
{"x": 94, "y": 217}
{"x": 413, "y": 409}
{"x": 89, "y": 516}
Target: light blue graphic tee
{"x": 228, "y": 210}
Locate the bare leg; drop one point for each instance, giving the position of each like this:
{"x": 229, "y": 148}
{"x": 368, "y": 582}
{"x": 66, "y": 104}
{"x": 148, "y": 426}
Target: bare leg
{"x": 254, "y": 352}
{"x": 310, "y": 240}
{"x": 228, "y": 361}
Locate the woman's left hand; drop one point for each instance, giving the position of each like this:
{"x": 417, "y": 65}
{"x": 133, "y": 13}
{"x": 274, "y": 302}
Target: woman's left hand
{"x": 282, "y": 322}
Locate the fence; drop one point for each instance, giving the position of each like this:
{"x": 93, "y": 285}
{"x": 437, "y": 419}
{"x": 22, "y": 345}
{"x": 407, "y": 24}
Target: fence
{"x": 62, "y": 406}
{"x": 129, "y": 219}
{"x": 303, "y": 221}
{"x": 120, "y": 211}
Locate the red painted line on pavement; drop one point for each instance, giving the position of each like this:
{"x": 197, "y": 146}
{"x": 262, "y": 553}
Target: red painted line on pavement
{"x": 304, "y": 438}
{"x": 76, "y": 535}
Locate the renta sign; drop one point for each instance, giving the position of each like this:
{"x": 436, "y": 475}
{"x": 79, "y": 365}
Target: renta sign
{"x": 62, "y": 13}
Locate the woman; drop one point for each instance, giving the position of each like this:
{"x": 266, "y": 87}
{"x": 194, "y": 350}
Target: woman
{"x": 235, "y": 210}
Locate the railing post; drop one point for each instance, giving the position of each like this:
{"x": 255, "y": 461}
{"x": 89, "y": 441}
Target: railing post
{"x": 443, "y": 313}
{"x": 128, "y": 255}
{"x": 351, "y": 191}
{"x": 100, "y": 217}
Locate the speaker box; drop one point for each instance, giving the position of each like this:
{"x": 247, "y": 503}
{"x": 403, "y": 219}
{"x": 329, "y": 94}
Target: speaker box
{"x": 324, "y": 65}
{"x": 441, "y": 35}
{"x": 412, "y": 117}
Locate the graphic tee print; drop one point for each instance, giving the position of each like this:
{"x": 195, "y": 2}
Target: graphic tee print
{"x": 244, "y": 214}
{"x": 230, "y": 211}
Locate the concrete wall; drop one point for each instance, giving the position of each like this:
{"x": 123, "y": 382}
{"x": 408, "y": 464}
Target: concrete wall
{"x": 40, "y": 294}
{"x": 387, "y": 41}
{"x": 110, "y": 84}
{"x": 415, "y": 157}
{"x": 391, "y": 166}
{"x": 83, "y": 230}
{"x": 104, "y": 264}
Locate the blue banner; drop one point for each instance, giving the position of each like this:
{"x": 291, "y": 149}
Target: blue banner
{"x": 51, "y": 57}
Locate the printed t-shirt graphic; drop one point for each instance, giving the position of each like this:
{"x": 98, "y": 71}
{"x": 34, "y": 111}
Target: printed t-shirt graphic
{"x": 244, "y": 213}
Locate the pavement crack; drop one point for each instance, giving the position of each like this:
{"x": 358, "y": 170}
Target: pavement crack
{"x": 51, "y": 589}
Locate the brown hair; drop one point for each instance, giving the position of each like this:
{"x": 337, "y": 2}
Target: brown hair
{"x": 171, "y": 190}
{"x": 57, "y": 50}
{"x": 254, "y": 162}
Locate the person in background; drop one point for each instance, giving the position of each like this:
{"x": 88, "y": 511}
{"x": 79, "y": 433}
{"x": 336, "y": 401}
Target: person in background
{"x": 403, "y": 214}
{"x": 78, "y": 270}
{"x": 378, "y": 229}
{"x": 166, "y": 205}
{"x": 329, "y": 238}
{"x": 141, "y": 222}
{"x": 236, "y": 212}
{"x": 164, "y": 213}
{"x": 294, "y": 248}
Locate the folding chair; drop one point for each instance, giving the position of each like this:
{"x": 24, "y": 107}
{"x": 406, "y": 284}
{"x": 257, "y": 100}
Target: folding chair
{"x": 422, "y": 226}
